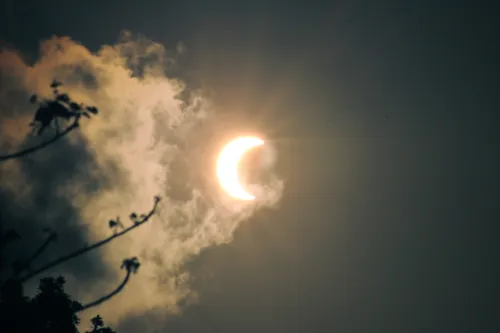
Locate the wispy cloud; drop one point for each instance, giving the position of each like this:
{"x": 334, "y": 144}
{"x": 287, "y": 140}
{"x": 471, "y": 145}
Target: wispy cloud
{"x": 146, "y": 141}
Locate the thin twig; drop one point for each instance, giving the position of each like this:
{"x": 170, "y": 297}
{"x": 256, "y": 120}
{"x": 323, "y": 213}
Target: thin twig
{"x": 91, "y": 247}
{"x": 39, "y": 251}
{"x": 106, "y": 297}
{"x": 40, "y": 146}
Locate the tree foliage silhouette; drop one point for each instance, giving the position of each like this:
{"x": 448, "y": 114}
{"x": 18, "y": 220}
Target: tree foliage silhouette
{"x": 51, "y": 310}
{"x": 50, "y": 112}
{"x": 98, "y": 326}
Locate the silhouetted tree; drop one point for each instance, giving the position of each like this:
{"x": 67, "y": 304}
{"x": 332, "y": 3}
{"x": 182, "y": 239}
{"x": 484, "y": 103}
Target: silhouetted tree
{"x": 98, "y": 324}
{"x": 131, "y": 266}
{"x": 94, "y": 246}
{"x": 51, "y": 112}
{"x": 51, "y": 310}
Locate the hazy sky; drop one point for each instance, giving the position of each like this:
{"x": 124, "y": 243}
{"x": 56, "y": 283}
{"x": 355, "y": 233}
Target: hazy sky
{"x": 384, "y": 117}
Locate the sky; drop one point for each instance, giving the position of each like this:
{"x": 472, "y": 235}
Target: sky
{"x": 382, "y": 213}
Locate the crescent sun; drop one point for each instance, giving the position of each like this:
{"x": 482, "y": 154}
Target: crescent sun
{"x": 227, "y": 166}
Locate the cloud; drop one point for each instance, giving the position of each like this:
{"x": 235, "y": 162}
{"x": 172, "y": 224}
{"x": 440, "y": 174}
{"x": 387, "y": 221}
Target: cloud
{"x": 154, "y": 135}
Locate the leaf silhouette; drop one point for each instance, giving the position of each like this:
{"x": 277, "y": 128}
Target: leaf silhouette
{"x": 63, "y": 98}
{"x": 112, "y": 223}
{"x": 74, "y": 106}
{"x": 92, "y": 109}
{"x": 131, "y": 265}
{"x": 55, "y": 84}
{"x": 97, "y": 322}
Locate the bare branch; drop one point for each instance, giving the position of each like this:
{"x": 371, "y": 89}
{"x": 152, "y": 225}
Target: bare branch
{"x": 39, "y": 251}
{"x": 131, "y": 265}
{"x": 40, "y": 146}
{"x": 10, "y": 236}
{"x": 92, "y": 247}
{"x": 108, "y": 296}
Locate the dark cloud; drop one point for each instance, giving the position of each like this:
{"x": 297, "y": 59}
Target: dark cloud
{"x": 34, "y": 192}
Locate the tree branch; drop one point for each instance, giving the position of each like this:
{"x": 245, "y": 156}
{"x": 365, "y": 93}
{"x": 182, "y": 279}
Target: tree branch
{"x": 108, "y": 296}
{"x": 39, "y": 251}
{"x": 91, "y": 247}
{"x": 40, "y": 146}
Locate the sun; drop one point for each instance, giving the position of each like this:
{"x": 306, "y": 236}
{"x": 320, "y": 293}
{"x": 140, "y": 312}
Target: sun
{"x": 227, "y": 166}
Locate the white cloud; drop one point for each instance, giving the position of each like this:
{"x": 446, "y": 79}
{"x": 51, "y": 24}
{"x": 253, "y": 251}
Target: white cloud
{"x": 146, "y": 141}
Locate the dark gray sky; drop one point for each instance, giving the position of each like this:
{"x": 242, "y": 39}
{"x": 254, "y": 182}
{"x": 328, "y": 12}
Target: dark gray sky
{"x": 387, "y": 129}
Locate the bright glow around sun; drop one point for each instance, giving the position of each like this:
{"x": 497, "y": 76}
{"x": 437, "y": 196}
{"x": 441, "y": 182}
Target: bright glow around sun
{"x": 227, "y": 166}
